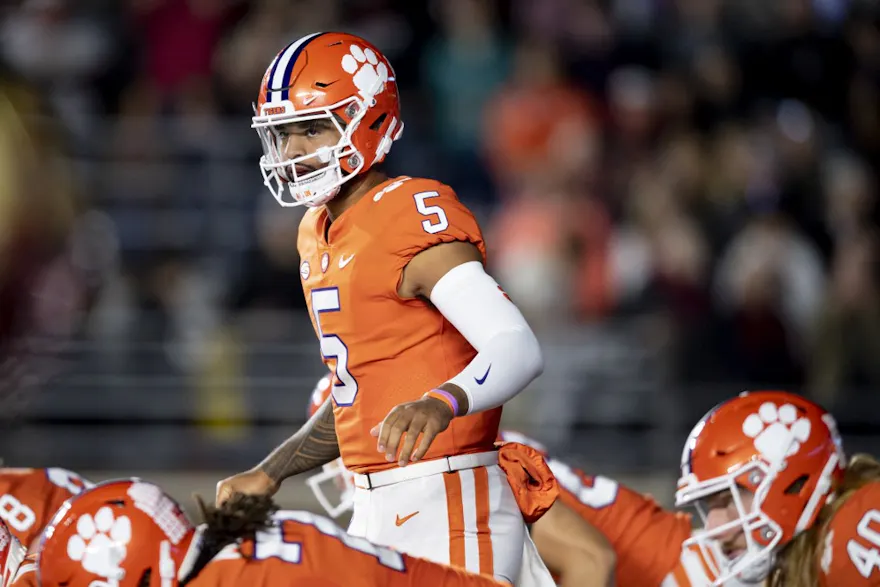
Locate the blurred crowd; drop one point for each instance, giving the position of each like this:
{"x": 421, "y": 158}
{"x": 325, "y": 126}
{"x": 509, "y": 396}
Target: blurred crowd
{"x": 713, "y": 163}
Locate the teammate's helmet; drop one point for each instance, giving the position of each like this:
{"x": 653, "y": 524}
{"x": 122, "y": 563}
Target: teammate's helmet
{"x": 334, "y": 76}
{"x": 781, "y": 447}
{"x": 334, "y": 473}
{"x": 11, "y": 554}
{"x": 112, "y": 535}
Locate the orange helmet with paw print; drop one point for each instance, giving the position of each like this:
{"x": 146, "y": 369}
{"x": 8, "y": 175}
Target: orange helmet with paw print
{"x": 779, "y": 446}
{"x": 115, "y": 535}
{"x": 334, "y": 76}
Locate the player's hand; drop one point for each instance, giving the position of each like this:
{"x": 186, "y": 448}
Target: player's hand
{"x": 253, "y": 482}
{"x": 427, "y": 417}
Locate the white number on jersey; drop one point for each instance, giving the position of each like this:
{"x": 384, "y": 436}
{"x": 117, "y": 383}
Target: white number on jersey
{"x": 67, "y": 480}
{"x": 19, "y": 516}
{"x": 866, "y": 558}
{"x": 327, "y": 300}
{"x": 600, "y": 494}
{"x": 273, "y": 542}
{"x": 441, "y": 223}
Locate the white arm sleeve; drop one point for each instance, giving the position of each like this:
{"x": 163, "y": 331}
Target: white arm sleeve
{"x": 508, "y": 354}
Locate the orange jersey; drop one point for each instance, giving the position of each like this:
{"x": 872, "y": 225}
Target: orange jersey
{"x": 26, "y": 576}
{"x": 385, "y": 350}
{"x": 850, "y": 554}
{"x": 646, "y": 538}
{"x": 305, "y": 549}
{"x": 30, "y": 497}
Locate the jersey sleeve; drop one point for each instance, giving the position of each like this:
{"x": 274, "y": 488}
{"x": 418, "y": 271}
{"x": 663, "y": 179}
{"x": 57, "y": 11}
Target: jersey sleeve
{"x": 423, "y": 572}
{"x": 422, "y": 213}
{"x": 850, "y": 554}
{"x": 26, "y": 576}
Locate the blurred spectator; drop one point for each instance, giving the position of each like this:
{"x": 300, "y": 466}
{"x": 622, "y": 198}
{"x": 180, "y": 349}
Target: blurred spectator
{"x": 60, "y": 47}
{"x": 462, "y": 67}
{"x": 266, "y": 29}
{"x": 44, "y": 289}
{"x": 551, "y": 233}
{"x": 269, "y": 277}
{"x": 768, "y": 285}
{"x": 539, "y": 123}
{"x": 848, "y": 332}
{"x": 850, "y": 196}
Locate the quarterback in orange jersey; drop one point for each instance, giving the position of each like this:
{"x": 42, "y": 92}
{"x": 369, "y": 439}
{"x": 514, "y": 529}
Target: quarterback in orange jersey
{"x": 29, "y": 498}
{"x": 424, "y": 345}
{"x": 778, "y": 500}
{"x": 130, "y": 533}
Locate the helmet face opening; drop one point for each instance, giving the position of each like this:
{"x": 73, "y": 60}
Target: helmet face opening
{"x": 323, "y": 156}
{"x": 752, "y": 557}
{"x": 333, "y": 488}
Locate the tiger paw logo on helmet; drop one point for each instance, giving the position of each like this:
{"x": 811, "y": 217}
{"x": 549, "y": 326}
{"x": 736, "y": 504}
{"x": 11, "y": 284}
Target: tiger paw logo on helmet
{"x": 369, "y": 74}
{"x": 100, "y": 543}
{"x": 777, "y": 429}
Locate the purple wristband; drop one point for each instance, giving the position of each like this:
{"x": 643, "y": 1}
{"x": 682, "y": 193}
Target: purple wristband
{"x": 449, "y": 397}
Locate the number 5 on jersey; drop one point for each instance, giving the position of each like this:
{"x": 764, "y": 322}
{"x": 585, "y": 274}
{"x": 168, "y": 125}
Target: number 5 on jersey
{"x": 345, "y": 388}
{"x": 436, "y": 212}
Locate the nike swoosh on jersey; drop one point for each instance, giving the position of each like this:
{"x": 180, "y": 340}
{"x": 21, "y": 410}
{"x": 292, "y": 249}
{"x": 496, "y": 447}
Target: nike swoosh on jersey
{"x": 482, "y": 379}
{"x": 343, "y": 261}
{"x": 401, "y": 521}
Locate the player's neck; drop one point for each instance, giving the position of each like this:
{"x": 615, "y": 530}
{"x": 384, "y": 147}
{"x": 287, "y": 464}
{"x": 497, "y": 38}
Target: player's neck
{"x": 353, "y": 191}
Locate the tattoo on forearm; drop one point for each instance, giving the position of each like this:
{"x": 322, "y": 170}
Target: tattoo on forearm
{"x": 311, "y": 446}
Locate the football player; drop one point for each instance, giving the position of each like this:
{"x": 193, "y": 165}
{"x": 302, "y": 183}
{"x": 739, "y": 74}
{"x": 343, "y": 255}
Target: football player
{"x": 648, "y": 541}
{"x": 777, "y": 497}
{"x": 425, "y": 346}
{"x": 30, "y": 497}
{"x": 130, "y": 533}
{"x": 574, "y": 550}
{"x": 639, "y": 544}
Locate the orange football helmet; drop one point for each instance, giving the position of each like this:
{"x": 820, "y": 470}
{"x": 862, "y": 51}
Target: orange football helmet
{"x": 112, "y": 535}
{"x": 333, "y": 472}
{"x": 334, "y": 76}
{"x": 782, "y": 448}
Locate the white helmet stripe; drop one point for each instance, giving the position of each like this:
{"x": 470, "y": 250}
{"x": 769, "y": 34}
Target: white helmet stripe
{"x": 283, "y": 66}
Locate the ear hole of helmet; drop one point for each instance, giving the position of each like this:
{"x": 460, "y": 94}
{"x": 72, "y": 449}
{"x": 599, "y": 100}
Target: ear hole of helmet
{"x": 797, "y": 485}
{"x": 378, "y": 122}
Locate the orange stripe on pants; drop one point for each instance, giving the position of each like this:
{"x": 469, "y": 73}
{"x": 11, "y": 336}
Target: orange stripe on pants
{"x": 455, "y": 512}
{"x": 484, "y": 534}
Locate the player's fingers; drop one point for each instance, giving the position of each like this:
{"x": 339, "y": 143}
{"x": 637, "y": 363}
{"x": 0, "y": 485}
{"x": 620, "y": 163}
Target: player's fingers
{"x": 385, "y": 429}
{"x": 222, "y": 493}
{"x": 429, "y": 432}
{"x": 396, "y": 430}
{"x": 409, "y": 441}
